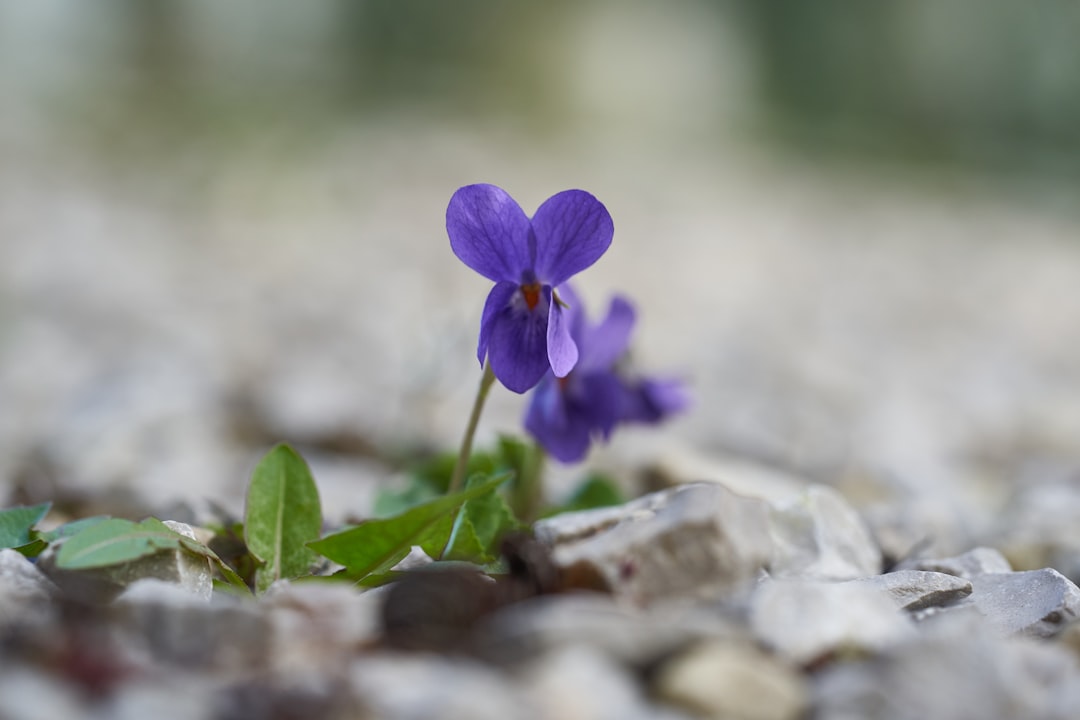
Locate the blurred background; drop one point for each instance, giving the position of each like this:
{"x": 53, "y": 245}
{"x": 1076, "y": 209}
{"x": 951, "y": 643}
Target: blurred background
{"x": 851, "y": 227}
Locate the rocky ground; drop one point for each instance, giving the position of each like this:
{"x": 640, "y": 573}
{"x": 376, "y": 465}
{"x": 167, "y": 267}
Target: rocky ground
{"x": 692, "y": 602}
{"x": 887, "y": 405}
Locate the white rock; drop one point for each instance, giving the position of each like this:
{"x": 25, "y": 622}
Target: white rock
{"x": 580, "y": 683}
{"x": 914, "y": 590}
{"x": 632, "y": 636}
{"x": 975, "y": 562}
{"x": 693, "y": 541}
{"x": 804, "y": 620}
{"x": 318, "y": 626}
{"x": 160, "y": 622}
{"x": 954, "y": 670}
{"x": 733, "y": 680}
{"x": 24, "y": 591}
{"x": 176, "y": 698}
{"x": 27, "y": 694}
{"x": 432, "y": 686}
{"x": 745, "y": 477}
{"x": 820, "y": 535}
{"x": 186, "y": 570}
{"x": 1036, "y": 602}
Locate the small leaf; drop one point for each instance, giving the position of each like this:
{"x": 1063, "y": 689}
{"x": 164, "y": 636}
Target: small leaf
{"x": 490, "y": 518}
{"x": 393, "y": 502}
{"x": 282, "y": 515}
{"x": 16, "y": 523}
{"x": 467, "y": 545}
{"x": 377, "y": 545}
{"x": 70, "y": 528}
{"x": 115, "y": 541}
{"x": 595, "y": 492}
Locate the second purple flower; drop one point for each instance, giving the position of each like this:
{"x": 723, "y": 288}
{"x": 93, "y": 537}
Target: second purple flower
{"x": 523, "y": 329}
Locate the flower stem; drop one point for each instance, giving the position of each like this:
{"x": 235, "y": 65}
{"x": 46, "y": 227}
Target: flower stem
{"x": 528, "y": 490}
{"x": 457, "y": 480}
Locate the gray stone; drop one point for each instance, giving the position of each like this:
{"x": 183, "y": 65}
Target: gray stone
{"x": 953, "y": 670}
{"x": 1036, "y": 602}
{"x": 25, "y": 593}
{"x": 317, "y": 626}
{"x": 177, "y": 697}
{"x": 434, "y": 686}
{"x": 28, "y": 694}
{"x": 578, "y": 682}
{"x": 186, "y": 570}
{"x": 693, "y": 541}
{"x": 160, "y": 622}
{"x": 805, "y": 620}
{"x": 732, "y": 680}
{"x": 737, "y": 474}
{"x": 1041, "y": 525}
{"x": 914, "y": 590}
{"x": 820, "y": 535}
{"x": 633, "y": 636}
{"x": 975, "y": 562}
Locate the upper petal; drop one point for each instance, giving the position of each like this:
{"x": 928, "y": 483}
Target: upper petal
{"x": 497, "y": 300}
{"x": 489, "y": 232}
{"x": 604, "y": 344}
{"x": 573, "y": 229}
{"x": 652, "y": 399}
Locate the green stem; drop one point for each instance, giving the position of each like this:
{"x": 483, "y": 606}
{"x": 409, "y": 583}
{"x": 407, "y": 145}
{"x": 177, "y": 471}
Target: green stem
{"x": 457, "y": 480}
{"x": 528, "y": 490}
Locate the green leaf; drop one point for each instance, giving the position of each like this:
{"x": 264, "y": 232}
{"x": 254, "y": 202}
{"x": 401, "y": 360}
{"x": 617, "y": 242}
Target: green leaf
{"x": 70, "y": 528}
{"x": 490, "y": 518}
{"x": 595, "y": 492}
{"x": 115, "y": 541}
{"x": 282, "y": 515}
{"x": 393, "y": 502}
{"x": 377, "y": 545}
{"x": 16, "y": 523}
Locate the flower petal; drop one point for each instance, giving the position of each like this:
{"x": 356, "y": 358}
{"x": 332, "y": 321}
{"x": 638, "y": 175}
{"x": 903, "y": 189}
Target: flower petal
{"x": 563, "y": 433}
{"x": 651, "y": 400}
{"x": 604, "y": 344}
{"x": 599, "y": 400}
{"x": 517, "y": 347}
{"x": 562, "y": 351}
{"x": 573, "y": 229}
{"x": 489, "y": 232}
{"x": 498, "y": 299}
{"x": 574, "y": 311}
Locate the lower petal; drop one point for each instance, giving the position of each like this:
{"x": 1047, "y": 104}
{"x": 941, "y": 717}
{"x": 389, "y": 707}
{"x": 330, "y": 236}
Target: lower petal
{"x": 563, "y": 433}
{"x": 517, "y": 348}
{"x": 562, "y": 351}
{"x": 498, "y": 299}
{"x": 601, "y": 401}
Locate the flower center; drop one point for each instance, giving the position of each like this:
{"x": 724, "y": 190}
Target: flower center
{"x": 531, "y": 293}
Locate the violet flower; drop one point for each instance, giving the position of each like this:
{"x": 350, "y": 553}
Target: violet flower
{"x": 523, "y": 329}
{"x": 566, "y": 414}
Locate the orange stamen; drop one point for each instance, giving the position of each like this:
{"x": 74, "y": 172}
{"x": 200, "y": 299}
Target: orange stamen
{"x": 531, "y": 293}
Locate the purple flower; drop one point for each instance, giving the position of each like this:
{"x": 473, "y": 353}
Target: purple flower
{"x": 523, "y": 329}
{"x": 566, "y": 414}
